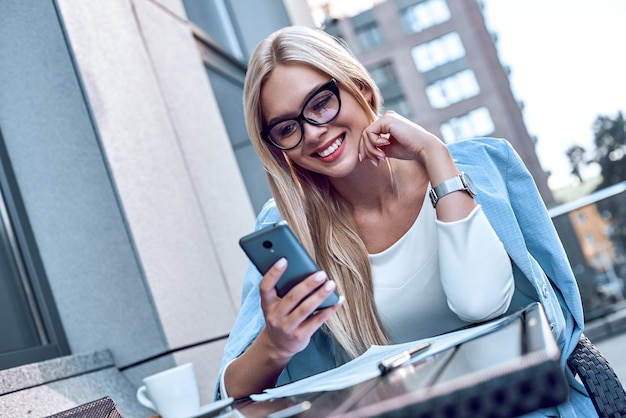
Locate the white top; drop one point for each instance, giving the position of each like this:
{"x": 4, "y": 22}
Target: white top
{"x": 441, "y": 275}
{"x": 438, "y": 275}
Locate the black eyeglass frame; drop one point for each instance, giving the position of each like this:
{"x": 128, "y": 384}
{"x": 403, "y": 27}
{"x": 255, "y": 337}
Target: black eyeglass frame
{"x": 332, "y": 86}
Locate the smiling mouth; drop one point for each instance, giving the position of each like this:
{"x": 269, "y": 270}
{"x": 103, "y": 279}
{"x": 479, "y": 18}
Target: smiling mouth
{"x": 332, "y": 148}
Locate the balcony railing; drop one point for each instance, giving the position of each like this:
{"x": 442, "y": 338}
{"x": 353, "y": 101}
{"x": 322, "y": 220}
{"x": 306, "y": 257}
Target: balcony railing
{"x": 593, "y": 232}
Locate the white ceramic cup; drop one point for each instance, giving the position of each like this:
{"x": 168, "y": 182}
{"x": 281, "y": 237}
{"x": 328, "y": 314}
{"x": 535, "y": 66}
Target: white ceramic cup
{"x": 172, "y": 393}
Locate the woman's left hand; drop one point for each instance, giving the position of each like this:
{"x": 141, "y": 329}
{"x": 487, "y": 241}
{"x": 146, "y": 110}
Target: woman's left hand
{"x": 397, "y": 137}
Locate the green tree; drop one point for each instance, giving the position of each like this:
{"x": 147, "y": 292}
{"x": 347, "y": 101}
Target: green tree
{"x": 576, "y": 156}
{"x": 610, "y": 152}
{"x": 610, "y": 142}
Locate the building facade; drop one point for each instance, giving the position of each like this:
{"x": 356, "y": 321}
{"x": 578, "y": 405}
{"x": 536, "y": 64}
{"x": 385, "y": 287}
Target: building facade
{"x": 593, "y": 232}
{"x": 126, "y": 181}
{"x": 436, "y": 63}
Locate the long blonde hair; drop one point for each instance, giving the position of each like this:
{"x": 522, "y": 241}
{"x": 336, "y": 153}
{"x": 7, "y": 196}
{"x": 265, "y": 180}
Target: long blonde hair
{"x": 320, "y": 218}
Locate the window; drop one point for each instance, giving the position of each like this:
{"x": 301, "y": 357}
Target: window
{"x": 30, "y": 327}
{"x": 368, "y": 36}
{"x": 383, "y": 74}
{"x": 385, "y": 77}
{"x": 598, "y": 262}
{"x": 460, "y": 86}
{"x": 438, "y": 52}
{"x": 399, "y": 105}
{"x": 425, "y": 14}
{"x": 214, "y": 19}
{"x": 16, "y": 296}
{"x": 221, "y": 53}
{"x": 475, "y": 123}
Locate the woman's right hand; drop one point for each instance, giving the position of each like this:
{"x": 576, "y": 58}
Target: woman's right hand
{"x": 290, "y": 321}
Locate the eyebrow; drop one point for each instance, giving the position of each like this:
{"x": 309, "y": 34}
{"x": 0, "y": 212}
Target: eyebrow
{"x": 306, "y": 99}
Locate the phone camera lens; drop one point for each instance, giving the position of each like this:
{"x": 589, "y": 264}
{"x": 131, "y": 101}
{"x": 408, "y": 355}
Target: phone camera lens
{"x": 267, "y": 244}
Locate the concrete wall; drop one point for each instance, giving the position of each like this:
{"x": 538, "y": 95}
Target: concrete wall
{"x": 169, "y": 155}
{"x": 129, "y": 181}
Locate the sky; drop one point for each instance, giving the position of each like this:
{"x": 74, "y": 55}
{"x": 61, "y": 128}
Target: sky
{"x": 568, "y": 65}
{"x": 568, "y": 62}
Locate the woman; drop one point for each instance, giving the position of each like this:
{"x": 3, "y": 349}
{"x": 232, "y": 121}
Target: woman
{"x": 390, "y": 214}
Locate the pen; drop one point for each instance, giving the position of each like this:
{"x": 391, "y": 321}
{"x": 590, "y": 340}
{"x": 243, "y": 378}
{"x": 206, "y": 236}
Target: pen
{"x": 399, "y": 359}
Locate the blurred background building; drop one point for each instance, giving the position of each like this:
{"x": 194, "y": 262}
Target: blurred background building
{"x": 436, "y": 63}
{"x": 127, "y": 177}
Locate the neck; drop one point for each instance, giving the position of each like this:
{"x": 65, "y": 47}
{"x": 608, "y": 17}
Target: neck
{"x": 368, "y": 186}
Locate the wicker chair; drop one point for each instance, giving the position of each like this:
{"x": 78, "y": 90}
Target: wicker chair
{"x": 601, "y": 382}
{"x": 101, "y": 408}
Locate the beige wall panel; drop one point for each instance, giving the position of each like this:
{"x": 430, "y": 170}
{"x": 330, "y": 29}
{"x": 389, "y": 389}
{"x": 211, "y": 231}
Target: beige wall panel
{"x": 201, "y": 135}
{"x": 175, "y": 7}
{"x": 158, "y": 196}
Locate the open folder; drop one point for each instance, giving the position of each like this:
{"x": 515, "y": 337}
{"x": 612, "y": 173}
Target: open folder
{"x": 367, "y": 365}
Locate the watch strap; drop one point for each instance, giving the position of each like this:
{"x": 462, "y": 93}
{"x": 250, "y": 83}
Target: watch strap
{"x": 453, "y": 184}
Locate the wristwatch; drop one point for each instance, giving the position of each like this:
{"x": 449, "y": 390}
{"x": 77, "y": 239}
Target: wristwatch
{"x": 454, "y": 184}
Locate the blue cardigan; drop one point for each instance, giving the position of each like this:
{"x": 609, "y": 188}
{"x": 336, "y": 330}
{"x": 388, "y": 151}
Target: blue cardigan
{"x": 511, "y": 202}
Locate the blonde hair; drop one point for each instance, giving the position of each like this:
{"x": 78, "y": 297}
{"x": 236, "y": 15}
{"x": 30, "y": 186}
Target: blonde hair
{"x": 320, "y": 218}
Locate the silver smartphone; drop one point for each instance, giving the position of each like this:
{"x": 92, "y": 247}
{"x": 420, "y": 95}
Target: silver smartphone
{"x": 265, "y": 246}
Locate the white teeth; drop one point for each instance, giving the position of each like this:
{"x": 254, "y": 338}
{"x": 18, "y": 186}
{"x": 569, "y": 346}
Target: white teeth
{"x": 331, "y": 149}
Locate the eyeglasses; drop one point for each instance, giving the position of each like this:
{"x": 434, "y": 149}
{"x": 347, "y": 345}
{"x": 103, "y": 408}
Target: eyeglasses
{"x": 322, "y": 107}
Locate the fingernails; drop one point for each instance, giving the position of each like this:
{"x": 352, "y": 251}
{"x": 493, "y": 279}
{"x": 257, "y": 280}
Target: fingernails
{"x": 320, "y": 276}
{"x": 329, "y": 285}
{"x": 380, "y": 158}
{"x": 360, "y": 157}
{"x": 341, "y": 300}
{"x": 383, "y": 141}
{"x": 374, "y": 163}
{"x": 281, "y": 263}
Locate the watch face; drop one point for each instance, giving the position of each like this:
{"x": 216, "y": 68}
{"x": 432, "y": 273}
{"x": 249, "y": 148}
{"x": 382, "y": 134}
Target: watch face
{"x": 469, "y": 184}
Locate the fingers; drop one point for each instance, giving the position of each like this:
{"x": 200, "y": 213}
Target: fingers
{"x": 313, "y": 295}
{"x": 306, "y": 297}
{"x": 373, "y": 139}
{"x": 290, "y": 321}
{"x": 300, "y": 301}
{"x": 370, "y": 147}
{"x": 307, "y": 314}
{"x": 302, "y": 289}
{"x": 321, "y": 316}
{"x": 394, "y": 136}
{"x": 268, "y": 283}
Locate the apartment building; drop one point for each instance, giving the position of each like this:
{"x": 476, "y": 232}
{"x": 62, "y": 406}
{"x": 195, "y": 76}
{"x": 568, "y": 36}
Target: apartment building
{"x": 436, "y": 62}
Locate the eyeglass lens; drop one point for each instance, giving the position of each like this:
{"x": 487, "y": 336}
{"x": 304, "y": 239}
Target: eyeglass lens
{"x": 318, "y": 110}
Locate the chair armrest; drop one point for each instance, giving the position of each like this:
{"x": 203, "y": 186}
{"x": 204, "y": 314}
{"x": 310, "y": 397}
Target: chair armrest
{"x": 101, "y": 408}
{"x": 599, "y": 378}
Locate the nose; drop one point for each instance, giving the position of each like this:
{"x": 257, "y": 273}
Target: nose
{"x": 312, "y": 131}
